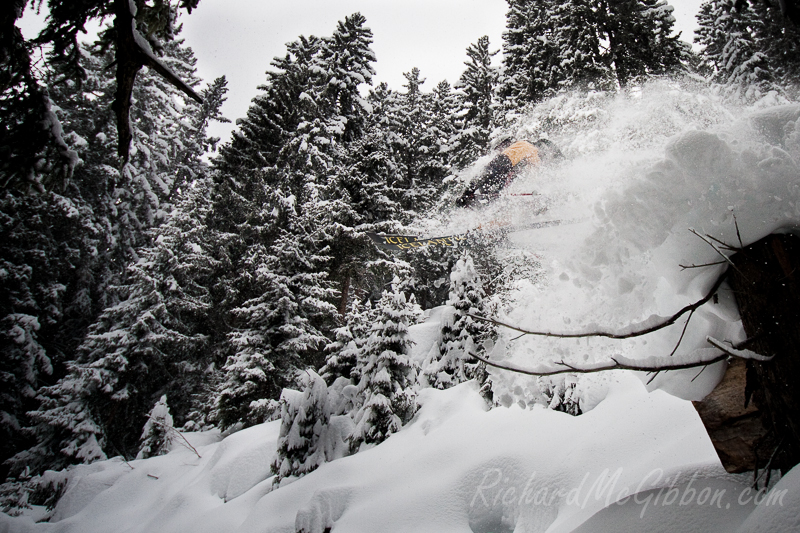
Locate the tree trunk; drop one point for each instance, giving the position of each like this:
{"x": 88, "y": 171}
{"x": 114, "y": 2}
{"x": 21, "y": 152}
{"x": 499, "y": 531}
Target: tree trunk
{"x": 345, "y": 295}
{"x": 735, "y": 428}
{"x": 766, "y": 284}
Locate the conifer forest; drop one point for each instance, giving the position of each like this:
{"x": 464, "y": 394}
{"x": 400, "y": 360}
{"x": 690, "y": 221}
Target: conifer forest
{"x": 157, "y": 282}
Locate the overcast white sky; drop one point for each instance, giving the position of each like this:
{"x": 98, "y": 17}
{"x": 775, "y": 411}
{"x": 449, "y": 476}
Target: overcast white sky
{"x": 239, "y": 38}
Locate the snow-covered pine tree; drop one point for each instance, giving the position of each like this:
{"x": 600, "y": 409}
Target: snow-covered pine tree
{"x": 273, "y": 114}
{"x": 304, "y": 424}
{"x": 477, "y": 91}
{"x": 29, "y": 128}
{"x": 552, "y": 45}
{"x": 409, "y": 116}
{"x": 372, "y": 177}
{"x": 277, "y": 331}
{"x": 561, "y": 393}
{"x": 751, "y": 52}
{"x": 529, "y": 51}
{"x": 345, "y": 63}
{"x": 388, "y": 375}
{"x": 640, "y": 39}
{"x": 578, "y": 39}
{"x": 164, "y": 141}
{"x": 293, "y": 147}
{"x": 158, "y": 433}
{"x": 347, "y": 59}
{"x": 779, "y": 40}
{"x": 65, "y": 245}
{"x": 461, "y": 334}
{"x": 343, "y": 353}
{"x": 445, "y": 110}
{"x": 151, "y": 341}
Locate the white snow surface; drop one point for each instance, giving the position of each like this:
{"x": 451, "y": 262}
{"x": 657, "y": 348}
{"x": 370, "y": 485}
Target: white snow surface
{"x": 640, "y": 172}
{"x": 456, "y": 467}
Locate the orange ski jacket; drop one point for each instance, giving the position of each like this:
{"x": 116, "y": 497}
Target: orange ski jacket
{"x": 522, "y": 151}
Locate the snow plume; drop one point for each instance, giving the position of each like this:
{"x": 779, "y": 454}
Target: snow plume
{"x": 649, "y": 181}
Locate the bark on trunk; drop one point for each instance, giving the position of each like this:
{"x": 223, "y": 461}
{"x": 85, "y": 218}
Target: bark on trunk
{"x": 734, "y": 427}
{"x": 766, "y": 284}
{"x": 345, "y": 295}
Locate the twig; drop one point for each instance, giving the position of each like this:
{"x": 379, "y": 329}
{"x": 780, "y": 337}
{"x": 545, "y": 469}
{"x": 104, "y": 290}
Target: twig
{"x": 686, "y": 325}
{"x": 766, "y": 467}
{"x": 685, "y": 267}
{"x": 738, "y": 235}
{"x": 725, "y": 257}
{"x": 616, "y": 365}
{"x": 612, "y": 335}
{"x": 698, "y": 374}
{"x": 152, "y": 476}
{"x": 186, "y": 442}
{"x": 724, "y": 244}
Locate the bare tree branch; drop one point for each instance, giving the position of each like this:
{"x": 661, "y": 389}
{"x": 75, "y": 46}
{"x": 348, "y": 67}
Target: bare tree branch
{"x": 683, "y": 332}
{"x": 653, "y": 365}
{"x": 616, "y": 335}
{"x": 738, "y": 235}
{"x": 685, "y": 267}
{"x": 726, "y": 246}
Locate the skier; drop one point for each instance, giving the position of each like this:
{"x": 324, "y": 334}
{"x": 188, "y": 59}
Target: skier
{"x": 501, "y": 171}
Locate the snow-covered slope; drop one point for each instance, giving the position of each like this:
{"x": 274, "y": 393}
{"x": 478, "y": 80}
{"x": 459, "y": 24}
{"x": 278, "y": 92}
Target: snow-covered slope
{"x": 457, "y": 467}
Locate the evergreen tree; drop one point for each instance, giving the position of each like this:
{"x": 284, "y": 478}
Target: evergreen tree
{"x": 462, "y": 335}
{"x": 152, "y": 341}
{"x": 347, "y": 349}
{"x": 29, "y": 128}
{"x": 157, "y": 434}
{"x": 552, "y": 45}
{"x": 372, "y": 179}
{"x": 477, "y": 85}
{"x": 529, "y": 51}
{"x": 273, "y": 114}
{"x": 751, "y": 48}
{"x": 388, "y": 375}
{"x": 65, "y": 246}
{"x": 578, "y": 39}
{"x": 277, "y": 331}
{"x": 639, "y": 33}
{"x": 304, "y": 423}
{"x": 286, "y": 192}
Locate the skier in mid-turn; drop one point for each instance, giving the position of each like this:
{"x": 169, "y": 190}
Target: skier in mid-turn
{"x": 501, "y": 171}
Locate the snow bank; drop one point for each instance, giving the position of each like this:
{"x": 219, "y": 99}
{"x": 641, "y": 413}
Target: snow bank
{"x": 456, "y": 467}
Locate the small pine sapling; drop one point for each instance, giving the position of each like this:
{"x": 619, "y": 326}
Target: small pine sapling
{"x": 158, "y": 432}
{"x": 304, "y": 421}
{"x": 388, "y": 374}
{"x": 461, "y": 334}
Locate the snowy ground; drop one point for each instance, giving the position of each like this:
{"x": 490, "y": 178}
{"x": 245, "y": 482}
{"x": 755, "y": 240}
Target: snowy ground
{"x": 457, "y": 467}
{"x": 640, "y": 173}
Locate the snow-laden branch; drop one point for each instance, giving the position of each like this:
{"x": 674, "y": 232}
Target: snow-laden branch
{"x": 656, "y": 364}
{"x": 650, "y": 364}
{"x": 652, "y": 324}
{"x": 740, "y": 353}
